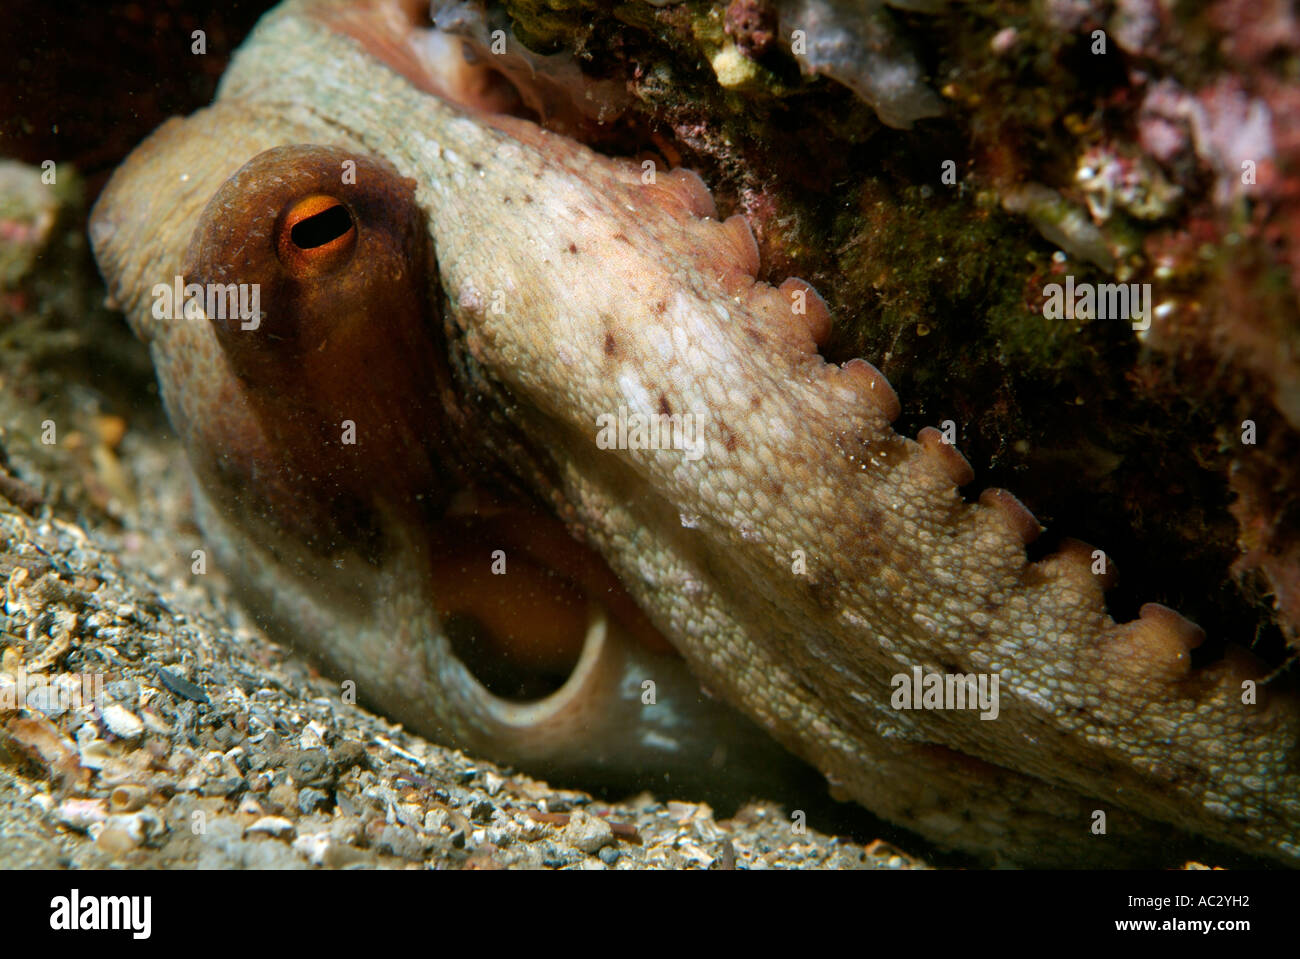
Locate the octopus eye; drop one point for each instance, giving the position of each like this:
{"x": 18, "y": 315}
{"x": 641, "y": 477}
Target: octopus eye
{"x": 317, "y": 235}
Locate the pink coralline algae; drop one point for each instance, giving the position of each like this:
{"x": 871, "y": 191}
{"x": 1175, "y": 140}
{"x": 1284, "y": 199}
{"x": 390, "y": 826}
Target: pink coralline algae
{"x": 1230, "y": 131}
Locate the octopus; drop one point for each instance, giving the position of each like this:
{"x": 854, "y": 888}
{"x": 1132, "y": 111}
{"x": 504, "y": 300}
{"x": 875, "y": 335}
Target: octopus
{"x": 508, "y": 434}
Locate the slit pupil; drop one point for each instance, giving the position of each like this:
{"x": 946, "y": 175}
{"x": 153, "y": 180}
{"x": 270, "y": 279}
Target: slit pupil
{"x": 321, "y": 228}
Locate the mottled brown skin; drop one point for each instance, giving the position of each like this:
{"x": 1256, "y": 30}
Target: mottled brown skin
{"x": 312, "y": 359}
{"x": 809, "y": 556}
{"x": 351, "y": 335}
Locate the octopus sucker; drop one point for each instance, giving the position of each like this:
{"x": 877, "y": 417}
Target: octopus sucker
{"x": 946, "y": 456}
{"x": 401, "y": 467}
{"x": 1011, "y": 511}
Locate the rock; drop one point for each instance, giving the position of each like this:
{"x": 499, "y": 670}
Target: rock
{"x": 310, "y": 798}
{"x": 81, "y": 814}
{"x": 272, "y": 826}
{"x": 586, "y": 832}
{"x": 122, "y": 723}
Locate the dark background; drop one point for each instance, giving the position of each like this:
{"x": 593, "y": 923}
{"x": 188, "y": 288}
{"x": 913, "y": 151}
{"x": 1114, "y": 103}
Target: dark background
{"x": 84, "y": 82}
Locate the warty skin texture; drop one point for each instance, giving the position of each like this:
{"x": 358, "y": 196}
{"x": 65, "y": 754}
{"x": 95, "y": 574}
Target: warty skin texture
{"x": 808, "y": 557}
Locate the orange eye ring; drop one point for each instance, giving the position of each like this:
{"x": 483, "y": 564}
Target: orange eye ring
{"x": 317, "y": 235}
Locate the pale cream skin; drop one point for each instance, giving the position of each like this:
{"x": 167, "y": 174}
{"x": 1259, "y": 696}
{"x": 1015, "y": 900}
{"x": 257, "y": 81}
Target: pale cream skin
{"x": 807, "y": 557}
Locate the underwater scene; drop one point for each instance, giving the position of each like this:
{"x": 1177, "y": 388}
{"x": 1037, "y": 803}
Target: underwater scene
{"x": 653, "y": 434}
